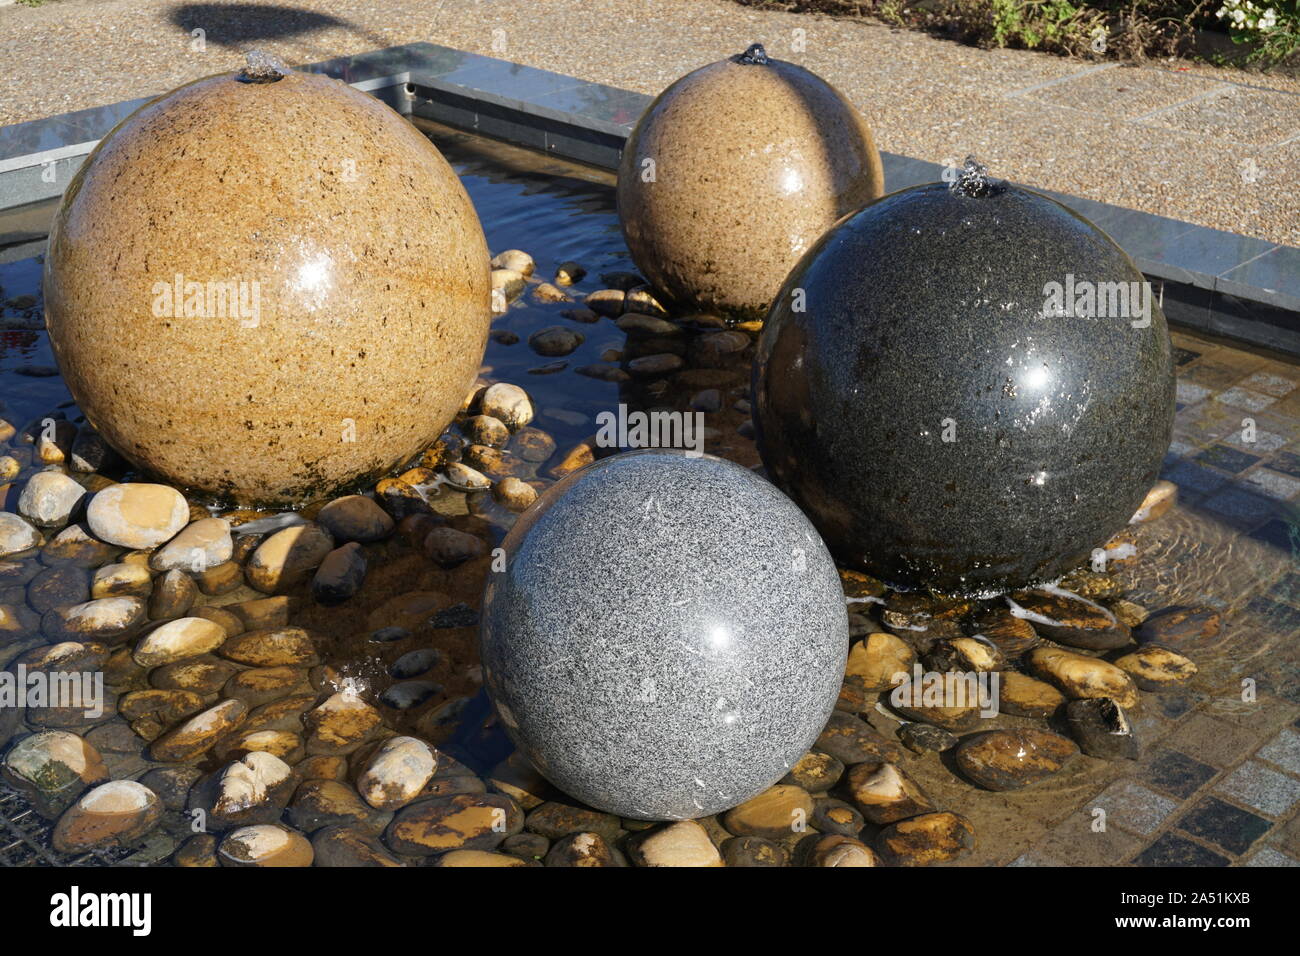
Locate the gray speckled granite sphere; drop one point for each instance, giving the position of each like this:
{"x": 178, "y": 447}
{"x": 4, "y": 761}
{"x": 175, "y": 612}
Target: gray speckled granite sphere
{"x": 669, "y": 636}
{"x": 932, "y": 413}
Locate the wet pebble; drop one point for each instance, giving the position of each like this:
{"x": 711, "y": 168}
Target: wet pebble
{"x": 875, "y": 660}
{"x": 555, "y": 340}
{"x": 507, "y": 403}
{"x": 1182, "y": 628}
{"x": 607, "y": 302}
{"x": 514, "y": 494}
{"x": 754, "y": 851}
{"x": 546, "y": 293}
{"x": 340, "y": 724}
{"x": 51, "y": 768}
{"x": 927, "y": 839}
{"x": 197, "y": 735}
{"x": 265, "y": 845}
{"x": 59, "y": 586}
{"x": 1156, "y": 668}
{"x": 463, "y": 821}
{"x": 254, "y": 789}
{"x": 884, "y": 793}
{"x": 121, "y": 580}
{"x": 1071, "y": 619}
{"x": 569, "y": 272}
{"x": 1013, "y": 759}
{"x": 201, "y": 545}
{"x": 926, "y": 738}
{"x": 852, "y": 741}
{"x": 414, "y": 663}
{"x": 177, "y": 640}
{"x": 107, "y": 620}
{"x": 288, "y": 557}
{"x": 319, "y": 803}
{"x": 173, "y": 594}
{"x": 1162, "y": 496}
{"x": 261, "y": 685}
{"x": 1023, "y": 696}
{"x": 397, "y": 772}
{"x": 350, "y": 846}
{"x": 515, "y": 259}
{"x": 407, "y": 695}
{"x": 659, "y": 364}
{"x": 202, "y": 675}
{"x": 815, "y": 772}
{"x": 681, "y": 844}
{"x": 831, "y": 815}
{"x": 50, "y": 499}
{"x": 450, "y": 548}
{"x": 776, "y": 812}
{"x": 137, "y": 514}
{"x": 1102, "y": 729}
{"x": 340, "y": 576}
{"x": 833, "y": 850}
{"x": 1078, "y": 676}
{"x": 583, "y": 849}
{"x": 117, "y": 812}
{"x": 554, "y": 819}
{"x": 355, "y": 518}
{"x": 16, "y": 535}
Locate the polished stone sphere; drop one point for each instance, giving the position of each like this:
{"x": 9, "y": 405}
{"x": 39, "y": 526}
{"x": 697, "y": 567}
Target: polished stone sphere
{"x": 733, "y": 173}
{"x": 668, "y": 636}
{"x": 951, "y": 389}
{"x": 268, "y": 285}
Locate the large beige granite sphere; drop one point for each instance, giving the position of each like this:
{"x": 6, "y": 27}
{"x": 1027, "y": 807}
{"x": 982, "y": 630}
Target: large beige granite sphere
{"x": 267, "y": 285}
{"x": 733, "y": 173}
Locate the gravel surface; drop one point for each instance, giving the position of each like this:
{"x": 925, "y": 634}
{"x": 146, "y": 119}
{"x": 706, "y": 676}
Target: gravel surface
{"x": 1214, "y": 147}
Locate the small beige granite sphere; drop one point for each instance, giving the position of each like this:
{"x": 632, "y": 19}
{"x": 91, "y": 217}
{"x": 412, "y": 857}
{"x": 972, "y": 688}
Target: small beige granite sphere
{"x": 732, "y": 174}
{"x": 266, "y": 286}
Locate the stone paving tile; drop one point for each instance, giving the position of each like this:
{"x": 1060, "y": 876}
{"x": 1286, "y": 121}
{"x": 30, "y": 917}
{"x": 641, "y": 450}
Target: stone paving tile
{"x": 1189, "y": 393}
{"x": 1270, "y": 384}
{"x": 1132, "y": 806}
{"x": 1196, "y": 478}
{"x": 1228, "y": 459}
{"x": 1227, "y": 827}
{"x": 1241, "y": 507}
{"x": 1175, "y": 773}
{"x": 1275, "y": 485}
{"x": 1260, "y": 119}
{"x": 1174, "y": 850}
{"x": 1239, "y": 397}
{"x": 1287, "y": 462}
{"x": 1262, "y": 443}
{"x": 1261, "y": 787}
{"x": 1267, "y": 856}
{"x": 1216, "y": 742}
{"x": 1287, "y": 837}
{"x": 1283, "y": 750}
{"x": 1074, "y": 842}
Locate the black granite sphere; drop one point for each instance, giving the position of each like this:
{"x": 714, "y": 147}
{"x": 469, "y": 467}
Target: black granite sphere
{"x": 966, "y": 387}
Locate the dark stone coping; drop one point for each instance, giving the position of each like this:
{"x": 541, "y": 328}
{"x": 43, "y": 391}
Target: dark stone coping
{"x": 1214, "y": 281}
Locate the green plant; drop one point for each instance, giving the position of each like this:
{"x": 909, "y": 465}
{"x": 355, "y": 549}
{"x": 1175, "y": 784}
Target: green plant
{"x": 1273, "y": 31}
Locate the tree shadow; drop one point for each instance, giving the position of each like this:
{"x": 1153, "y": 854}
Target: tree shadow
{"x": 242, "y": 26}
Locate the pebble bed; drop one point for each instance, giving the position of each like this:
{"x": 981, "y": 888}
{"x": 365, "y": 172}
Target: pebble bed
{"x": 303, "y": 688}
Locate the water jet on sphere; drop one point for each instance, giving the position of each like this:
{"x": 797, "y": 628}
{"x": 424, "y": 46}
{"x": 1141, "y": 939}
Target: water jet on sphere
{"x": 978, "y": 391}
{"x": 267, "y": 285}
{"x": 732, "y": 174}
{"x": 668, "y": 638}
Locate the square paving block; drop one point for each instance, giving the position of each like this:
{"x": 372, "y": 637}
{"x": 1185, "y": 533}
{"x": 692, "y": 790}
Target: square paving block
{"x": 1174, "y": 850}
{"x": 1183, "y": 355}
{"x": 1230, "y": 828}
{"x": 1279, "y": 533}
{"x": 1133, "y": 807}
{"x": 1175, "y": 773}
{"x": 1241, "y": 507}
{"x": 1212, "y": 741}
{"x": 1213, "y": 374}
{"x": 1241, "y": 397}
{"x": 1075, "y": 843}
{"x": 1260, "y": 442}
{"x": 1270, "y": 384}
{"x": 1229, "y": 459}
{"x": 1287, "y": 462}
{"x": 1283, "y": 750}
{"x": 1189, "y": 393}
{"x": 1195, "y": 478}
{"x": 1267, "y": 856}
{"x": 1261, "y": 787}
{"x": 1274, "y": 484}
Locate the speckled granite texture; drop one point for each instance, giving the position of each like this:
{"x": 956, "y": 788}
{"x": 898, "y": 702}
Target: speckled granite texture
{"x": 333, "y": 301}
{"x": 733, "y": 173}
{"x": 939, "y": 428}
{"x": 669, "y": 636}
